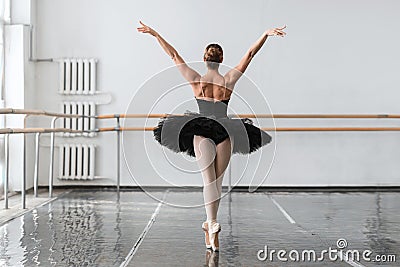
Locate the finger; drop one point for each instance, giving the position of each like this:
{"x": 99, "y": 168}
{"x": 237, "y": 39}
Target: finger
{"x": 141, "y": 23}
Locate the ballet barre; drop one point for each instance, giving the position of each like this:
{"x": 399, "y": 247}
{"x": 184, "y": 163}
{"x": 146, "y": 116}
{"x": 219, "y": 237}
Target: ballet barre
{"x": 37, "y": 132}
{"x": 6, "y": 111}
{"x": 267, "y": 116}
{"x": 118, "y": 129}
{"x": 7, "y": 132}
{"x": 264, "y": 116}
{"x": 277, "y": 129}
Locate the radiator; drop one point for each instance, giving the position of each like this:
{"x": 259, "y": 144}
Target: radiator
{"x": 76, "y": 162}
{"x": 80, "y": 108}
{"x": 77, "y": 76}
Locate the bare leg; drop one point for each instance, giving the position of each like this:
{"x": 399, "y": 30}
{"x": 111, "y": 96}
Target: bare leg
{"x": 205, "y": 155}
{"x": 224, "y": 152}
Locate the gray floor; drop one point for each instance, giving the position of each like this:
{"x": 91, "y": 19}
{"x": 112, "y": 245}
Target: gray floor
{"x": 94, "y": 228}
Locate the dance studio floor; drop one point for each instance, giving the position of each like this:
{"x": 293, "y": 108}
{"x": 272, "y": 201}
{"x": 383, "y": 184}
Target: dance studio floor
{"x": 94, "y": 228}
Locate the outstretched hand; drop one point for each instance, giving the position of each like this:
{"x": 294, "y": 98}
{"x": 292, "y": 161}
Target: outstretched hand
{"x": 276, "y": 31}
{"x": 146, "y": 29}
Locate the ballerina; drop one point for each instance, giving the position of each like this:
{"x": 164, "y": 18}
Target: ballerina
{"x": 210, "y": 135}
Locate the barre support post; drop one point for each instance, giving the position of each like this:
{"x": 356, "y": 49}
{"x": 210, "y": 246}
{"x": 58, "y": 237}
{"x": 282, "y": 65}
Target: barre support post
{"x": 6, "y": 167}
{"x": 118, "y": 153}
{"x": 23, "y": 184}
{"x": 51, "y": 168}
{"x": 36, "y": 174}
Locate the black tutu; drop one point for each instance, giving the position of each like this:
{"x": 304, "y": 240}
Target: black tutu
{"x": 176, "y": 132}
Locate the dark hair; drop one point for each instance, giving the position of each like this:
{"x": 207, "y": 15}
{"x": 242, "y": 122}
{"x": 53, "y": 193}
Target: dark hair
{"x": 213, "y": 55}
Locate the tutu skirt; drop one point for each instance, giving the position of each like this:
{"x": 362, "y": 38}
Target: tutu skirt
{"x": 176, "y": 132}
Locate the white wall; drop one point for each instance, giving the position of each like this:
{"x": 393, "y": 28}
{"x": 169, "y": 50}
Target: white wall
{"x": 337, "y": 57}
{"x": 18, "y": 93}
{"x": 19, "y": 87}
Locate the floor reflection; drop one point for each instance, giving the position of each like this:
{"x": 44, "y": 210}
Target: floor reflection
{"x": 212, "y": 258}
{"x": 98, "y": 228}
{"x": 379, "y": 231}
{"x": 231, "y": 246}
{"x": 79, "y": 229}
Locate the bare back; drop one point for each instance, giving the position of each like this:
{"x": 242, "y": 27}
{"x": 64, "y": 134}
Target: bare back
{"x": 212, "y": 86}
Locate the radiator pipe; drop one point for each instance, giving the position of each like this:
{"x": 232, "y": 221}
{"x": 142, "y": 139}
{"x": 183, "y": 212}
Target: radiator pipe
{"x": 30, "y": 57}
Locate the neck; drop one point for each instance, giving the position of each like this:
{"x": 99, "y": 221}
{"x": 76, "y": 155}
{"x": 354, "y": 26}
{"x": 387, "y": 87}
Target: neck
{"x": 213, "y": 71}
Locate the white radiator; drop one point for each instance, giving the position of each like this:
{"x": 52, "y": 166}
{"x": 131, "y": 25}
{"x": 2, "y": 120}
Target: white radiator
{"x": 77, "y": 76}
{"x": 80, "y": 108}
{"x": 76, "y": 162}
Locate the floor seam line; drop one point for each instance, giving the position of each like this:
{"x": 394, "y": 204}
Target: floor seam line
{"x": 291, "y": 220}
{"x": 146, "y": 229}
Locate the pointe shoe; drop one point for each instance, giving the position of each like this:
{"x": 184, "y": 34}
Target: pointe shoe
{"x": 204, "y": 226}
{"x": 213, "y": 230}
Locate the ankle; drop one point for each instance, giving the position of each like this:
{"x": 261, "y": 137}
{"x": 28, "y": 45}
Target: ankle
{"x": 212, "y": 221}
{"x": 213, "y": 227}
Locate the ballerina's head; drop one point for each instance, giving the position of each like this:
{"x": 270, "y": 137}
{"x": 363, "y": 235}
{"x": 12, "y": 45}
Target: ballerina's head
{"x": 213, "y": 55}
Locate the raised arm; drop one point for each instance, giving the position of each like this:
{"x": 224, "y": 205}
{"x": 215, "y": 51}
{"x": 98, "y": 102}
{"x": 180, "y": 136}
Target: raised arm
{"x": 188, "y": 73}
{"x": 232, "y": 76}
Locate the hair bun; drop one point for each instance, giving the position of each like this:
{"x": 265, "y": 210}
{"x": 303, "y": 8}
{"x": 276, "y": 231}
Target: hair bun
{"x": 212, "y": 50}
{"x": 213, "y": 53}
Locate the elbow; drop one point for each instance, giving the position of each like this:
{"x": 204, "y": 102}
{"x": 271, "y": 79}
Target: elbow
{"x": 174, "y": 56}
{"x": 251, "y": 54}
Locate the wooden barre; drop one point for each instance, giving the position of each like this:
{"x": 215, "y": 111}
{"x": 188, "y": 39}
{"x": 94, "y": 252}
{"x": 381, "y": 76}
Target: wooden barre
{"x": 271, "y": 129}
{"x": 38, "y": 113}
{"x": 37, "y": 130}
{"x": 278, "y": 129}
{"x": 332, "y": 129}
{"x": 266, "y": 116}
{"x": 135, "y": 116}
{"x": 161, "y": 115}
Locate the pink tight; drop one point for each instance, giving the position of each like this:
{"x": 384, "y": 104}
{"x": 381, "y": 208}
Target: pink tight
{"x": 213, "y": 161}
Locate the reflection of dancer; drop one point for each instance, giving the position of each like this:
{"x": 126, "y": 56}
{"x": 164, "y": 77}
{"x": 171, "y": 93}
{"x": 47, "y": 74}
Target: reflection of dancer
{"x": 210, "y": 135}
{"x": 212, "y": 259}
